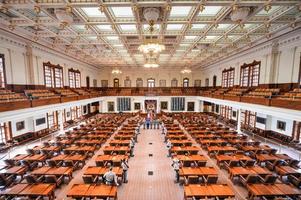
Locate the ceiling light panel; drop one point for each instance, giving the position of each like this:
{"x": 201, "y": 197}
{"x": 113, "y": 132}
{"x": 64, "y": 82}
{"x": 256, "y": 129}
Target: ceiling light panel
{"x": 174, "y": 27}
{"x": 210, "y": 11}
{"x": 180, "y": 11}
{"x": 122, "y": 12}
{"x": 93, "y": 12}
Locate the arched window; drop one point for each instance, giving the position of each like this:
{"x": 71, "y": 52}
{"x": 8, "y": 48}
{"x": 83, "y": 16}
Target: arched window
{"x": 116, "y": 82}
{"x": 139, "y": 82}
{"x": 2, "y": 71}
{"x": 174, "y": 82}
{"x": 150, "y": 82}
{"x": 127, "y": 82}
{"x": 214, "y": 81}
{"x": 185, "y": 82}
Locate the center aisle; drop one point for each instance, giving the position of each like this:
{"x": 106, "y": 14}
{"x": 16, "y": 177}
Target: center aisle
{"x": 142, "y": 186}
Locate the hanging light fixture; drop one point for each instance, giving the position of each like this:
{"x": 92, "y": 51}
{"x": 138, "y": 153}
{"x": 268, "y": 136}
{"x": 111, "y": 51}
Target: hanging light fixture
{"x": 151, "y": 46}
{"x": 151, "y": 62}
{"x": 116, "y": 71}
{"x": 186, "y": 71}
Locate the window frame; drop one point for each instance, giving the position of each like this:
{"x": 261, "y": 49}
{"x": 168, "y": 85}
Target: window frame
{"x": 151, "y": 83}
{"x": 75, "y": 76}
{"x": 54, "y": 80}
{"x": 3, "y": 77}
{"x": 228, "y": 77}
{"x": 250, "y": 74}
{"x": 115, "y": 81}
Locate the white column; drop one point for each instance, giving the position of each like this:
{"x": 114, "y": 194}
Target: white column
{"x": 201, "y": 106}
{"x": 61, "y": 121}
{"x": 238, "y": 121}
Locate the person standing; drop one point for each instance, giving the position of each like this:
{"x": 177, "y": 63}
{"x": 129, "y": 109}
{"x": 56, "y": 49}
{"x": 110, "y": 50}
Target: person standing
{"x": 176, "y": 166}
{"x": 110, "y": 177}
{"x": 125, "y": 168}
{"x": 132, "y": 144}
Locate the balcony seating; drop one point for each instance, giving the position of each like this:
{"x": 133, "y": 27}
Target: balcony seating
{"x": 40, "y": 94}
{"x": 9, "y": 96}
{"x": 236, "y": 92}
{"x": 80, "y": 91}
{"x": 65, "y": 92}
{"x": 264, "y": 93}
{"x": 176, "y": 91}
{"x": 221, "y": 91}
{"x": 125, "y": 92}
{"x": 292, "y": 95}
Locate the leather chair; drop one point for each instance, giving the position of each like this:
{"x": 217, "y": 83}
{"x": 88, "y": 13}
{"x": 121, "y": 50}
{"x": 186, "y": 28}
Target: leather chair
{"x": 251, "y": 179}
{"x": 54, "y": 179}
{"x": 31, "y": 179}
{"x": 211, "y": 179}
{"x": 28, "y": 165}
{"x": 295, "y": 180}
{"x": 248, "y": 163}
{"x": 88, "y": 179}
{"x": 6, "y": 181}
{"x": 269, "y": 179}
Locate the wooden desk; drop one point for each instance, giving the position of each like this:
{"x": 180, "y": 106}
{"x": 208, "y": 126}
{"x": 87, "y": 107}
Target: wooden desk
{"x": 287, "y": 170}
{"x": 48, "y": 148}
{"x": 208, "y": 191}
{"x": 92, "y": 191}
{"x": 31, "y": 190}
{"x": 227, "y": 158}
{"x": 20, "y": 157}
{"x": 191, "y": 158}
{"x": 119, "y": 150}
{"x": 89, "y": 142}
{"x": 181, "y": 142}
{"x": 15, "y": 170}
{"x": 100, "y": 171}
{"x": 182, "y": 150}
{"x": 257, "y": 148}
{"x": 209, "y": 142}
{"x": 35, "y": 158}
{"x": 212, "y": 149}
{"x": 123, "y": 137}
{"x": 245, "y": 171}
{"x": 198, "y": 171}
{"x": 270, "y": 190}
{"x": 262, "y": 158}
{"x": 81, "y": 148}
{"x": 119, "y": 142}
{"x": 106, "y": 158}
{"x": 74, "y": 158}
{"x": 57, "y": 171}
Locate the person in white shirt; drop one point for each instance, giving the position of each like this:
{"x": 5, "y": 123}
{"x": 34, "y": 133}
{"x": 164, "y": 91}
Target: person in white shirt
{"x": 176, "y": 166}
{"x": 110, "y": 177}
{"x": 168, "y": 145}
{"x": 125, "y": 168}
{"x": 132, "y": 144}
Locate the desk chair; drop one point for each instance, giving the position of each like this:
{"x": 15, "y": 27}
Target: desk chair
{"x": 271, "y": 166}
{"x": 28, "y": 165}
{"x": 232, "y": 163}
{"x": 248, "y": 163}
{"x": 88, "y": 179}
{"x": 54, "y": 179}
{"x": 6, "y": 181}
{"x": 269, "y": 179}
{"x": 211, "y": 179}
{"x": 31, "y": 179}
{"x": 52, "y": 163}
{"x": 30, "y": 151}
{"x": 10, "y": 162}
{"x": 251, "y": 179}
{"x": 295, "y": 180}
{"x": 192, "y": 180}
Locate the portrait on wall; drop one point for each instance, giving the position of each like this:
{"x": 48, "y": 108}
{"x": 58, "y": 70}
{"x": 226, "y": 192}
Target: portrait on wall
{"x": 164, "y": 105}
{"x": 137, "y": 106}
{"x": 111, "y": 106}
{"x": 190, "y": 106}
{"x": 20, "y": 125}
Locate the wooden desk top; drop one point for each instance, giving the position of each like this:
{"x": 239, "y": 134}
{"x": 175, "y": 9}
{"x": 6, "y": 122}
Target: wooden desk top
{"x": 20, "y": 157}
{"x": 266, "y": 157}
{"x": 15, "y": 170}
{"x": 189, "y": 148}
{"x": 39, "y": 189}
{"x": 191, "y": 158}
{"x": 287, "y": 170}
{"x": 278, "y": 189}
{"x": 218, "y": 148}
{"x": 221, "y": 158}
{"x": 198, "y": 171}
{"x": 114, "y": 148}
{"x": 89, "y": 141}
{"x": 48, "y": 148}
{"x": 113, "y": 158}
{"x": 69, "y": 157}
{"x": 208, "y": 141}
{"x": 82, "y": 148}
{"x": 53, "y": 171}
{"x": 36, "y": 157}
{"x": 284, "y": 157}
{"x": 214, "y": 190}
{"x": 92, "y": 190}
{"x": 92, "y": 170}
{"x": 244, "y": 171}
{"x": 255, "y": 148}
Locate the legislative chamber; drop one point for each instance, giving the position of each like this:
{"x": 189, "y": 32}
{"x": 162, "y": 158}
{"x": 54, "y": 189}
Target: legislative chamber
{"x": 150, "y": 100}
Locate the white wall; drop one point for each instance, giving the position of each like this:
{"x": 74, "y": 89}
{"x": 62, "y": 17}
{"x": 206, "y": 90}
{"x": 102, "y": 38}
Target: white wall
{"x": 29, "y": 126}
{"x": 41, "y": 126}
{"x": 24, "y": 63}
{"x": 283, "y": 67}
{"x": 289, "y": 126}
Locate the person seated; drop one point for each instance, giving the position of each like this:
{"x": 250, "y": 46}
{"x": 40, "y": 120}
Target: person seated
{"x": 110, "y": 177}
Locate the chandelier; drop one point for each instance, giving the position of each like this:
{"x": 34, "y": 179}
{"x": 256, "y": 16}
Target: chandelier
{"x": 186, "y": 71}
{"x": 151, "y": 47}
{"x": 116, "y": 71}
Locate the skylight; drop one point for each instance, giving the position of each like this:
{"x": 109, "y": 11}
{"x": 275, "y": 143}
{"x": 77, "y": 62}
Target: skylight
{"x": 79, "y": 27}
{"x": 180, "y": 11}
{"x": 184, "y": 45}
{"x": 198, "y": 26}
{"x": 174, "y": 27}
{"x": 210, "y": 37}
{"x": 190, "y": 37}
{"x": 93, "y": 12}
{"x": 223, "y": 26}
{"x": 210, "y": 11}
{"x": 122, "y": 11}
{"x": 112, "y": 37}
{"x": 128, "y": 27}
{"x": 263, "y": 12}
{"x": 104, "y": 27}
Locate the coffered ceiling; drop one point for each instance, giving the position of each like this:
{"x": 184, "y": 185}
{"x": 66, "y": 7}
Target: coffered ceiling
{"x": 107, "y": 33}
